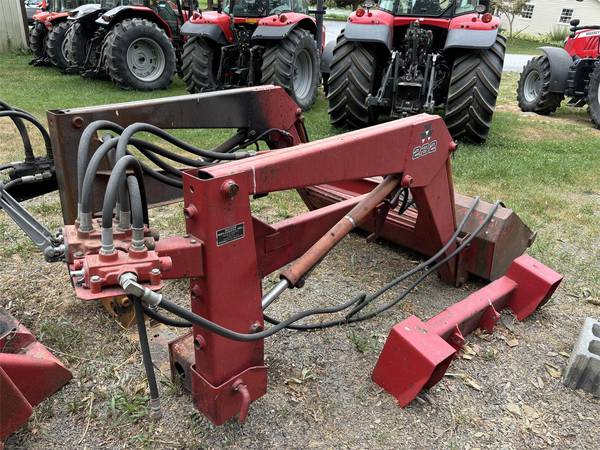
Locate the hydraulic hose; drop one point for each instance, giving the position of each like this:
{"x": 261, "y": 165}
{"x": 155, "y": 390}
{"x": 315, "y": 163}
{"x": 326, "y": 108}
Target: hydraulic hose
{"x": 84, "y": 147}
{"x": 23, "y": 115}
{"x": 164, "y": 319}
{"x": 29, "y": 156}
{"x": 155, "y": 411}
{"x": 352, "y": 318}
{"x": 248, "y": 337}
{"x": 110, "y": 196}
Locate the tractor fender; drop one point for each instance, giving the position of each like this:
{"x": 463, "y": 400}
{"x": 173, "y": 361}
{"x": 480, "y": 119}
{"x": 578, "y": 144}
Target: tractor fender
{"x": 89, "y": 11}
{"x": 270, "y": 28}
{"x": 470, "y": 39}
{"x": 372, "y": 34}
{"x": 327, "y": 57}
{"x": 206, "y": 30}
{"x": 124, "y": 12}
{"x": 560, "y": 62}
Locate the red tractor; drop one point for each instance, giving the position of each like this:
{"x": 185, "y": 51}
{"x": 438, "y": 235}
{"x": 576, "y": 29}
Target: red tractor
{"x": 572, "y": 72}
{"x": 255, "y": 42}
{"x": 47, "y": 35}
{"x": 411, "y": 56}
{"x": 137, "y": 43}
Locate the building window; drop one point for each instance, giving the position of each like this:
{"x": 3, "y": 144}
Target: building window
{"x": 527, "y": 11}
{"x": 566, "y": 15}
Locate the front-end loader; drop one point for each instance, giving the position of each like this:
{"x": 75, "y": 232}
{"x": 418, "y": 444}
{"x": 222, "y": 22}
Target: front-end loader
{"x": 405, "y": 57}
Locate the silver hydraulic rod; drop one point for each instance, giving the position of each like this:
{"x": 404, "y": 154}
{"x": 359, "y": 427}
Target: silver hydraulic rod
{"x": 274, "y": 293}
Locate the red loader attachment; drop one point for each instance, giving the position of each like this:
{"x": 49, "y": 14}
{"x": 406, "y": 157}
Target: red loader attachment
{"x": 29, "y": 374}
{"x": 416, "y": 354}
{"x": 393, "y": 179}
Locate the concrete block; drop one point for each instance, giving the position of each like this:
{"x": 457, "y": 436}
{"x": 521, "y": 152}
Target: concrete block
{"x": 583, "y": 370}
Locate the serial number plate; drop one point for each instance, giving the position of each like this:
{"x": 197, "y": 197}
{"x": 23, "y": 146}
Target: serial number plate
{"x": 230, "y": 234}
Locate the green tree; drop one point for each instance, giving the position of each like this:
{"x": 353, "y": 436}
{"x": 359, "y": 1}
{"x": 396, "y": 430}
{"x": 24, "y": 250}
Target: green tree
{"x": 510, "y": 9}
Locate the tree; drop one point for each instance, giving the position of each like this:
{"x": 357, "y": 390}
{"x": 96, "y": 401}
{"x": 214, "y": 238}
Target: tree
{"x": 510, "y": 9}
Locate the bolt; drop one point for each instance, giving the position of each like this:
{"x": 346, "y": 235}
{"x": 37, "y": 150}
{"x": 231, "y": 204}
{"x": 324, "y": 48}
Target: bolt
{"x": 193, "y": 241}
{"x": 230, "y": 188}
{"x": 407, "y": 181}
{"x": 78, "y": 254}
{"x": 95, "y": 279}
{"x": 155, "y": 271}
{"x": 190, "y": 211}
{"x": 77, "y": 122}
{"x": 256, "y": 327}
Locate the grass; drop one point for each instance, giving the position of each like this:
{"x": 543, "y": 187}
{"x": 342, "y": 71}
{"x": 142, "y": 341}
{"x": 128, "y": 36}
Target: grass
{"x": 521, "y": 46}
{"x": 547, "y": 169}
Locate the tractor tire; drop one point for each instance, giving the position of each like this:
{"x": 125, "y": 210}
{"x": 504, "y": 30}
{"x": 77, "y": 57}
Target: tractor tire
{"x": 533, "y": 92}
{"x": 200, "y": 65}
{"x": 350, "y": 82}
{"x": 37, "y": 40}
{"x": 593, "y": 97}
{"x": 293, "y": 64}
{"x": 472, "y": 93}
{"x": 76, "y": 45}
{"x": 140, "y": 56}
{"x": 55, "y": 45}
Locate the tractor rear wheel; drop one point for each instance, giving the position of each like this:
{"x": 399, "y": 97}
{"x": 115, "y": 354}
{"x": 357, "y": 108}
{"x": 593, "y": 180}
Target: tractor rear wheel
{"x": 55, "y": 45}
{"x": 37, "y": 40}
{"x": 293, "y": 64}
{"x": 200, "y": 65}
{"x": 140, "y": 56}
{"x": 533, "y": 92}
{"x": 350, "y": 82}
{"x": 474, "y": 88}
{"x": 593, "y": 97}
{"x": 77, "y": 43}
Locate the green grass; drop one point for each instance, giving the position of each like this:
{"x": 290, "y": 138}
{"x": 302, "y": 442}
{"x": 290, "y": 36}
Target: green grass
{"x": 547, "y": 169}
{"x": 521, "y": 46}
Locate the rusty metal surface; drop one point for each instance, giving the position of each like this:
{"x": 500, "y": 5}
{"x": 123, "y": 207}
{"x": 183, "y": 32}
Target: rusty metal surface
{"x": 257, "y": 108}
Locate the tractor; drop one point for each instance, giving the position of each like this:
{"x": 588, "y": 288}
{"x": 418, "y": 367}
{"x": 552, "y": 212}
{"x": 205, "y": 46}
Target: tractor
{"x": 572, "y": 71}
{"x": 255, "y": 42}
{"x": 136, "y": 43}
{"x": 406, "y": 57}
{"x": 47, "y": 35}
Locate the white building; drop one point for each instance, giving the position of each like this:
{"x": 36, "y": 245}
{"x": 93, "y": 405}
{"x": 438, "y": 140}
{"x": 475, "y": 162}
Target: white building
{"x": 545, "y": 16}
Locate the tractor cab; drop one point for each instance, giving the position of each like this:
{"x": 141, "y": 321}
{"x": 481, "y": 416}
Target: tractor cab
{"x": 432, "y": 8}
{"x": 264, "y": 8}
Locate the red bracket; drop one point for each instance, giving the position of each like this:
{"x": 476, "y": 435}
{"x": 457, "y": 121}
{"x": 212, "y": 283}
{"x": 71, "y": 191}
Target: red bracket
{"x": 29, "y": 374}
{"x": 416, "y": 355}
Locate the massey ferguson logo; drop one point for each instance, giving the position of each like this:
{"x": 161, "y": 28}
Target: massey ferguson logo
{"x": 428, "y": 145}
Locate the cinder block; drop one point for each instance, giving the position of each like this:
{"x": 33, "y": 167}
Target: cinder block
{"x": 583, "y": 370}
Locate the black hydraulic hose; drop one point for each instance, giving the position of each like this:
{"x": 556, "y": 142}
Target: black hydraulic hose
{"x": 352, "y": 318}
{"x": 148, "y": 128}
{"x": 155, "y": 315}
{"x": 148, "y": 146}
{"x": 118, "y": 175}
{"x": 84, "y": 147}
{"x": 87, "y": 185}
{"x": 247, "y": 337}
{"x": 29, "y": 156}
{"x": 147, "y": 357}
{"x": 23, "y": 115}
{"x": 137, "y": 205}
